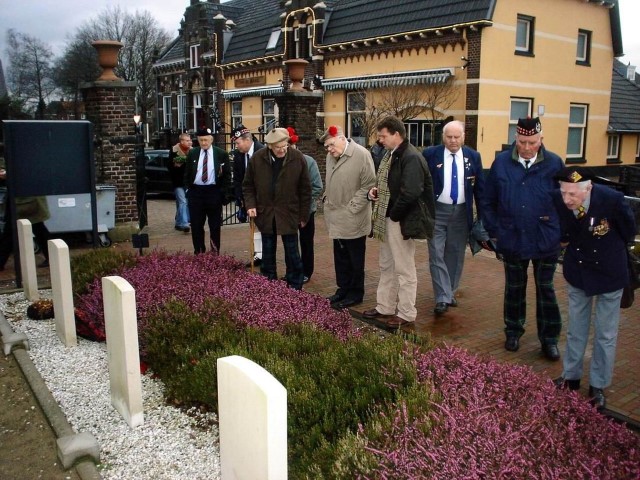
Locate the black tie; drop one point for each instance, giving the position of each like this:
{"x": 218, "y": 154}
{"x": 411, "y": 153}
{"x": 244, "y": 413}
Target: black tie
{"x": 246, "y": 160}
{"x": 526, "y": 164}
{"x": 205, "y": 167}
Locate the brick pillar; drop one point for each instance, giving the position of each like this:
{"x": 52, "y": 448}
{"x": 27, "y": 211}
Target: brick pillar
{"x": 298, "y": 110}
{"x": 110, "y": 106}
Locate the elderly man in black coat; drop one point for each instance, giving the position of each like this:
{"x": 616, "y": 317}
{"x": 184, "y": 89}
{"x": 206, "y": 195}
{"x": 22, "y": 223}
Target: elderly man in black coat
{"x": 597, "y": 224}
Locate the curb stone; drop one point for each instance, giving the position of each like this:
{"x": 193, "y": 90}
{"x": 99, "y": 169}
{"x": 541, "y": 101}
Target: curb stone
{"x": 86, "y": 469}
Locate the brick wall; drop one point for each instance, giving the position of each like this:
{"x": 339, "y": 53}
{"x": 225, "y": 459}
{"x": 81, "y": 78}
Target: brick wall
{"x": 110, "y": 106}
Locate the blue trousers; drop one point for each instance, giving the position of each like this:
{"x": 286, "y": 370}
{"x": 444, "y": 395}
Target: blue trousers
{"x": 605, "y": 323}
{"x": 182, "y": 208}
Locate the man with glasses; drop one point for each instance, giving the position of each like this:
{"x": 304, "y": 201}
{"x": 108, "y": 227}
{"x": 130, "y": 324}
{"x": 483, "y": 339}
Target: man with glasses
{"x": 277, "y": 195}
{"x": 347, "y": 212}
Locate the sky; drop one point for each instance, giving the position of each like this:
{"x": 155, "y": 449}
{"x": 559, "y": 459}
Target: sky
{"x": 53, "y": 21}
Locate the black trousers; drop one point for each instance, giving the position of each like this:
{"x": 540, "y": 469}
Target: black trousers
{"x": 348, "y": 258}
{"x": 306, "y": 245}
{"x": 205, "y": 204}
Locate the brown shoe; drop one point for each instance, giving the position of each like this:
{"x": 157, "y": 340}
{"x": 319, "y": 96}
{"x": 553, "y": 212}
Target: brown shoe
{"x": 373, "y": 313}
{"x": 395, "y": 321}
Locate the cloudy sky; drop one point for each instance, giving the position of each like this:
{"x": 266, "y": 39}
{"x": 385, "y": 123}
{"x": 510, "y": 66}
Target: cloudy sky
{"x": 52, "y": 21}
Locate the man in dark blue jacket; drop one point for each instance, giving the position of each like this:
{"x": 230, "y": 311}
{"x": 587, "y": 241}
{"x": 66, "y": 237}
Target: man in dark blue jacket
{"x": 519, "y": 215}
{"x": 457, "y": 179}
{"x": 597, "y": 224}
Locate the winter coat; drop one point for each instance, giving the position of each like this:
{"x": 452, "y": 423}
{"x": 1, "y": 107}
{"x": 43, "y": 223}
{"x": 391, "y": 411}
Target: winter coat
{"x": 595, "y": 260}
{"x": 316, "y": 182}
{"x": 289, "y": 202}
{"x": 347, "y": 211}
{"x": 411, "y": 200}
{"x": 517, "y": 208}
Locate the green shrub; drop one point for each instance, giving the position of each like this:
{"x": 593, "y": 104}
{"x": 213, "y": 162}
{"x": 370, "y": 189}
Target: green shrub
{"x": 333, "y": 386}
{"x": 97, "y": 263}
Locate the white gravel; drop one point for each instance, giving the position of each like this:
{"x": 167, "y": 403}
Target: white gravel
{"x": 169, "y": 445}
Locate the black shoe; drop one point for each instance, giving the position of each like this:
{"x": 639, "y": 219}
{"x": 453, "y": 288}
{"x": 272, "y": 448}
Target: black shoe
{"x": 512, "y": 343}
{"x": 564, "y": 384}
{"x": 335, "y": 298}
{"x": 550, "y": 350}
{"x": 256, "y": 263}
{"x": 441, "y": 307}
{"x": 347, "y": 302}
{"x": 597, "y": 398}
{"x": 306, "y": 279}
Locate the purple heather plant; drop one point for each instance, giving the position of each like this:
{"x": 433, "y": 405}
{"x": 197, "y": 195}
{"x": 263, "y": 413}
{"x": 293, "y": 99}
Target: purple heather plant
{"x": 501, "y": 421}
{"x": 255, "y": 301}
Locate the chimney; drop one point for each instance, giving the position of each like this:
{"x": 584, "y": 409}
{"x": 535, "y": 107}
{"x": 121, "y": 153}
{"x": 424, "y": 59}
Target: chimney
{"x": 631, "y": 72}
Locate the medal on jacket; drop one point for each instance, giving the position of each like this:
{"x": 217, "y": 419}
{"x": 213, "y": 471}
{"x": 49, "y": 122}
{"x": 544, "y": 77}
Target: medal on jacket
{"x": 602, "y": 228}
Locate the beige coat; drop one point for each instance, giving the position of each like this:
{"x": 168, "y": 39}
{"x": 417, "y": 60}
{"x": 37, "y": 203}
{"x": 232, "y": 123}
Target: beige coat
{"x": 347, "y": 211}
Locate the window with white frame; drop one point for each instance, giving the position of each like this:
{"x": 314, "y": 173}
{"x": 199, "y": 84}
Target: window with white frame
{"x": 356, "y": 103}
{"x": 236, "y": 113}
{"x": 297, "y": 34}
{"x": 524, "y": 35}
{"x": 613, "y": 146}
{"x": 583, "y": 49}
{"x": 194, "y": 56}
{"x": 182, "y": 112}
{"x": 268, "y": 114}
{"x": 520, "y": 108}
{"x": 197, "y": 109}
{"x": 310, "y": 40}
{"x": 577, "y": 131}
{"x": 166, "y": 111}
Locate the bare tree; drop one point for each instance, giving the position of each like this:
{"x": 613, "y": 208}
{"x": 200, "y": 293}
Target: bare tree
{"x": 141, "y": 37}
{"x": 30, "y": 74}
{"x": 429, "y": 101}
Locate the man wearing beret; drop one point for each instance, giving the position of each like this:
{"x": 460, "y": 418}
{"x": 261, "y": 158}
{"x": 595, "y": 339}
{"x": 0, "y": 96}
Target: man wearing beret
{"x": 207, "y": 178}
{"x": 520, "y": 217}
{"x": 597, "y": 224}
{"x": 277, "y": 194}
{"x": 246, "y": 146}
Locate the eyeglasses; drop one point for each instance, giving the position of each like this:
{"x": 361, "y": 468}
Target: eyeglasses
{"x": 281, "y": 147}
{"x": 329, "y": 146}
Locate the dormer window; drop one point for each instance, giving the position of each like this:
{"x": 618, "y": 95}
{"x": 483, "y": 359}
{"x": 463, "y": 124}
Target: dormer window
{"x": 273, "y": 39}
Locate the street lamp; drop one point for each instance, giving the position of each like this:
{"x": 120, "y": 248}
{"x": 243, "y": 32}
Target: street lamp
{"x": 141, "y": 187}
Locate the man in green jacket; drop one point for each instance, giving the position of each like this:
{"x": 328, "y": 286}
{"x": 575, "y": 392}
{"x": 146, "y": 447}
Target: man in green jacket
{"x": 404, "y": 210}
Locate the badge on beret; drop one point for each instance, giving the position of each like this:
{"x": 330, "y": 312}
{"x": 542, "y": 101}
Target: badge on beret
{"x": 239, "y": 131}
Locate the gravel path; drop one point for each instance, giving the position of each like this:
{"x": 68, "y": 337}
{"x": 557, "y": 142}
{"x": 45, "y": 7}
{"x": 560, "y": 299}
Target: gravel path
{"x": 169, "y": 445}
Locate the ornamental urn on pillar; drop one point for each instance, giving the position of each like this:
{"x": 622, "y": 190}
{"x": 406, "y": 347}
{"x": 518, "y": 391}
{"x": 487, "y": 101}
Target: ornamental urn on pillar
{"x": 107, "y": 58}
{"x": 295, "y": 67}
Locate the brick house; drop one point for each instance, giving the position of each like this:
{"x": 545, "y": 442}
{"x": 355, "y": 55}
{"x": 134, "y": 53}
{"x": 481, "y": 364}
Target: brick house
{"x": 498, "y": 59}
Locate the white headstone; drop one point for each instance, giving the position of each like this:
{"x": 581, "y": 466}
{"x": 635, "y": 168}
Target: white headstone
{"x": 121, "y": 326}
{"x": 252, "y": 410}
{"x": 62, "y": 292}
{"x": 27, "y": 260}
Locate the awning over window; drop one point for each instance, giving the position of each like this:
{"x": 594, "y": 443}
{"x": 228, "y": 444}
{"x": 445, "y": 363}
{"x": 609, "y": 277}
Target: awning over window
{"x": 252, "y": 92}
{"x": 398, "y": 79}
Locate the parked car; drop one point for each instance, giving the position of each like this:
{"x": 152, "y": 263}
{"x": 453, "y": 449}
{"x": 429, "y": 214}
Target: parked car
{"x": 156, "y": 171}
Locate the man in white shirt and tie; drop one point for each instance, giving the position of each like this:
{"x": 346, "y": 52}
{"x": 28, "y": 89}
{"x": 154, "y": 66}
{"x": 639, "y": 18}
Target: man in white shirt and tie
{"x": 208, "y": 183}
{"x": 457, "y": 179}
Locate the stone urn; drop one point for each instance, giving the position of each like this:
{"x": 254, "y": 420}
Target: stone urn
{"x": 295, "y": 67}
{"x": 107, "y": 58}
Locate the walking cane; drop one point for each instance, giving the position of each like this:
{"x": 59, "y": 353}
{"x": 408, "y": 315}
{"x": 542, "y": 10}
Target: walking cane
{"x": 252, "y": 230}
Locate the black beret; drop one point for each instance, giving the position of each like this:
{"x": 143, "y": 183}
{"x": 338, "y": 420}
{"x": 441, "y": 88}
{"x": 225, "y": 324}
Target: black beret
{"x": 528, "y": 126}
{"x": 239, "y": 131}
{"x": 203, "y": 132}
{"x": 573, "y": 175}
